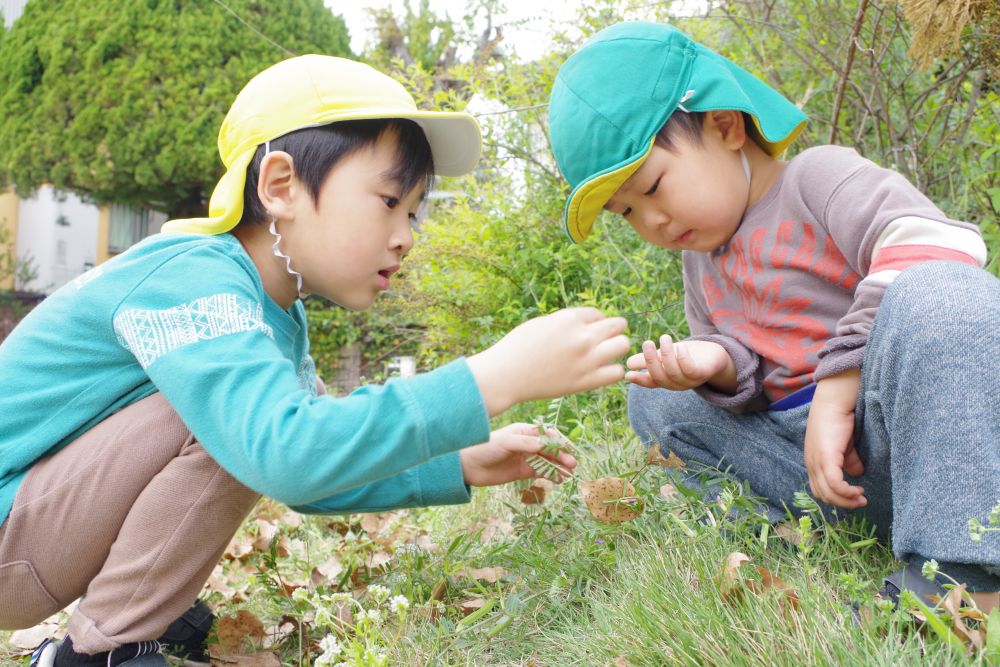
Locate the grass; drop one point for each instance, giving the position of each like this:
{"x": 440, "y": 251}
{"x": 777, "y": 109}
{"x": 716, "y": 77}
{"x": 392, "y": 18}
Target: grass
{"x": 575, "y": 592}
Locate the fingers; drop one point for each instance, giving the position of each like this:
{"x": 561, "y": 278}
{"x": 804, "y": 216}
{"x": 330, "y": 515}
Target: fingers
{"x": 584, "y": 313}
{"x": 828, "y": 484}
{"x": 852, "y": 463}
{"x": 609, "y": 326}
{"x": 663, "y": 366}
{"x": 641, "y": 379}
{"x": 613, "y": 348}
{"x": 637, "y": 362}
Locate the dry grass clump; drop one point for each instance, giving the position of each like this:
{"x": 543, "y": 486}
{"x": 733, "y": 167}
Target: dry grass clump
{"x": 938, "y": 25}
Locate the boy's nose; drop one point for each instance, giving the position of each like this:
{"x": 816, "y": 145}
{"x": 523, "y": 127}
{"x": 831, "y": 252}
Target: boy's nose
{"x": 653, "y": 219}
{"x": 402, "y": 240}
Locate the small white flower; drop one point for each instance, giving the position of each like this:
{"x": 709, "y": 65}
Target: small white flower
{"x": 338, "y": 598}
{"x": 324, "y": 660}
{"x": 330, "y": 646}
{"x": 373, "y": 615}
{"x": 399, "y": 604}
{"x": 378, "y": 592}
{"x": 300, "y": 595}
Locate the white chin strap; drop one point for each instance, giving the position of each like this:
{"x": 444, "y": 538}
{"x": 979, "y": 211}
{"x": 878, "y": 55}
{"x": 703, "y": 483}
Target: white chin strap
{"x": 288, "y": 260}
{"x": 746, "y": 165}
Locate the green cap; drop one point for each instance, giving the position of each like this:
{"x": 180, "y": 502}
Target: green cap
{"x": 613, "y": 95}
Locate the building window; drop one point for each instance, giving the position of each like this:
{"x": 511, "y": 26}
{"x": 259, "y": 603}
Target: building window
{"x": 128, "y": 225}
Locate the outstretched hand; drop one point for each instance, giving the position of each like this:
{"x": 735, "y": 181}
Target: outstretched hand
{"x": 505, "y": 457}
{"x": 561, "y": 353}
{"x": 678, "y": 366}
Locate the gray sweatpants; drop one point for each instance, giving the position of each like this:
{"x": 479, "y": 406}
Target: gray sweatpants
{"x": 133, "y": 516}
{"x": 927, "y": 422}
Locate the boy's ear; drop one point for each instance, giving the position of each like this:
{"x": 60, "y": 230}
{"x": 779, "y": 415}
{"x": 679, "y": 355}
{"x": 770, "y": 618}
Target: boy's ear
{"x": 730, "y": 126}
{"x": 276, "y": 183}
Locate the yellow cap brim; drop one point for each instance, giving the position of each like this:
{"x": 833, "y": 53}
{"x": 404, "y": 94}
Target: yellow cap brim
{"x": 588, "y": 199}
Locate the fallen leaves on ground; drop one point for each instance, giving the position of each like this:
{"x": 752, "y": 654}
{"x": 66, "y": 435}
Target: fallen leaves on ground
{"x": 655, "y": 457}
{"x": 611, "y": 499}
{"x": 491, "y": 527}
{"x": 264, "y": 659}
{"x": 235, "y": 633}
{"x": 732, "y": 583}
{"x": 469, "y": 606}
{"x": 488, "y": 574}
{"x": 537, "y": 492}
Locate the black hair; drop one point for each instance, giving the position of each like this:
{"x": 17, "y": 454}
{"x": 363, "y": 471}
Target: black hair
{"x": 315, "y": 151}
{"x": 688, "y": 124}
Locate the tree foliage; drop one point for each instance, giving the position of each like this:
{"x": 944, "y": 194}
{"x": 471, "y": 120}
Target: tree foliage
{"x": 122, "y": 100}
{"x": 495, "y": 253}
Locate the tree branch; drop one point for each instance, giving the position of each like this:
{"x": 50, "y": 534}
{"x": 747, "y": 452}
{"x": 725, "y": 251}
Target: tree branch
{"x": 851, "y": 48}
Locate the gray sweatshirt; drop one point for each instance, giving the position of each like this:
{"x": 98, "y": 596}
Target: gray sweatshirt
{"x": 793, "y": 294}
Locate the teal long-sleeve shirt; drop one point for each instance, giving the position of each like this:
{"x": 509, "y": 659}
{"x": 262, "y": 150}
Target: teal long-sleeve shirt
{"x": 188, "y": 316}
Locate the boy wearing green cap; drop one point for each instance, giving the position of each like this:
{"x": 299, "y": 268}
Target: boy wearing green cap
{"x": 831, "y": 347}
{"x": 149, "y": 403}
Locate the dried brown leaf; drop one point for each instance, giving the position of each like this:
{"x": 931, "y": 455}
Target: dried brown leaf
{"x": 219, "y": 583}
{"x": 265, "y": 659}
{"x": 730, "y": 582}
{"x": 378, "y": 560}
{"x": 469, "y": 606}
{"x": 487, "y": 574}
{"x": 239, "y": 548}
{"x": 787, "y": 531}
{"x": 668, "y": 491}
{"x": 674, "y": 461}
{"x": 437, "y": 593}
{"x": 490, "y": 527}
{"x": 237, "y": 632}
{"x": 611, "y": 499}
{"x": 770, "y": 581}
{"x": 655, "y": 457}
{"x": 953, "y": 605}
{"x": 266, "y": 532}
{"x": 535, "y": 494}
{"x": 326, "y": 572}
{"x": 29, "y": 638}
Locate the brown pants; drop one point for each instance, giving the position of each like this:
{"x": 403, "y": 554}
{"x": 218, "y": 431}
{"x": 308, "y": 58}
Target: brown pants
{"x": 133, "y": 516}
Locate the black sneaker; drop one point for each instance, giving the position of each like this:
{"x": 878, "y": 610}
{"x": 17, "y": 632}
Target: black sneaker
{"x": 140, "y": 654}
{"x": 910, "y": 578}
{"x": 185, "y": 637}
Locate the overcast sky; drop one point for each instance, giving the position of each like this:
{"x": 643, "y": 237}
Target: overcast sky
{"x": 526, "y": 40}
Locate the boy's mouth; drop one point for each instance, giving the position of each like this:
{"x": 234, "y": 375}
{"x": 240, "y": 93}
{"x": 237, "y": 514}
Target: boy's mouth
{"x": 385, "y": 274}
{"x": 683, "y": 237}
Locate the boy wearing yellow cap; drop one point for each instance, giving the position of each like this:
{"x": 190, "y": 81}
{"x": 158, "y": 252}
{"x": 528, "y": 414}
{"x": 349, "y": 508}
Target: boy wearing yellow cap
{"x": 830, "y": 346}
{"x": 148, "y": 404}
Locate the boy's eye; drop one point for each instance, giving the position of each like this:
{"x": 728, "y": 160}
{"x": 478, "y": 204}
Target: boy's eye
{"x": 413, "y": 218}
{"x": 626, "y": 212}
{"x": 653, "y": 189}
{"x": 391, "y": 202}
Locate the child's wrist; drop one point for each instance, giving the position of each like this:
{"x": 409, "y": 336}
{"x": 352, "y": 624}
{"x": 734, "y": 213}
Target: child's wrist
{"x": 493, "y": 385}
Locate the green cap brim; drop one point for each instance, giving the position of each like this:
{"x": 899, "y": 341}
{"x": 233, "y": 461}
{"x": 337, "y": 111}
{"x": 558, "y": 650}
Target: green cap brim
{"x": 588, "y": 199}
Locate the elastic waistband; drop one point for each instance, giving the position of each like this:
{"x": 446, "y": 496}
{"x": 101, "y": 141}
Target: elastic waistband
{"x": 795, "y": 399}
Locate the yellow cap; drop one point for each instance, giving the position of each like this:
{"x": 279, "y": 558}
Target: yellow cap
{"x": 313, "y": 90}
